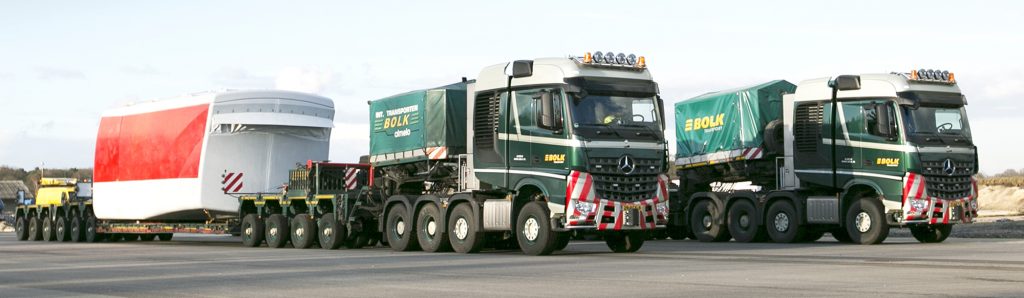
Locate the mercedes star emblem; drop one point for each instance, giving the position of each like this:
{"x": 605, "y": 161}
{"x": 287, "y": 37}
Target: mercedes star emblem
{"x": 627, "y": 164}
{"x": 947, "y": 167}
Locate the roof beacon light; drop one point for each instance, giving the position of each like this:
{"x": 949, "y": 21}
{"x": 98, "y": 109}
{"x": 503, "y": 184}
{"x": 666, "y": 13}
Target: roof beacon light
{"x": 641, "y": 63}
{"x": 587, "y": 58}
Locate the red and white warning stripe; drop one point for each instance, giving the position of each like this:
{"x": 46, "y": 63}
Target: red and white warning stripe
{"x": 350, "y": 178}
{"x": 434, "y": 153}
{"x": 608, "y": 214}
{"x": 232, "y": 182}
{"x": 918, "y": 207}
{"x": 753, "y": 153}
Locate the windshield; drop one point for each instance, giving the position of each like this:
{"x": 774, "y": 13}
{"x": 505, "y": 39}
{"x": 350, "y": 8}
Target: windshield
{"x": 606, "y": 110}
{"x": 937, "y": 120}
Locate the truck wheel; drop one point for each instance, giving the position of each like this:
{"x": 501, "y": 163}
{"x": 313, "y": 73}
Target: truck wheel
{"x": 147, "y": 237}
{"x": 63, "y": 229}
{"x": 331, "y": 233}
{"x": 401, "y": 234}
{"x": 931, "y": 233}
{"x": 49, "y": 232}
{"x": 462, "y": 230}
{"x": 430, "y": 231}
{"x": 704, "y": 221}
{"x": 21, "y": 228}
{"x": 533, "y": 230}
{"x": 865, "y": 221}
{"x": 277, "y": 231}
{"x": 165, "y": 236}
{"x": 742, "y": 226}
{"x": 563, "y": 241}
{"x": 302, "y": 226}
{"x": 252, "y": 230}
{"x": 783, "y": 223}
{"x": 35, "y": 231}
{"x": 620, "y": 242}
{"x": 77, "y": 232}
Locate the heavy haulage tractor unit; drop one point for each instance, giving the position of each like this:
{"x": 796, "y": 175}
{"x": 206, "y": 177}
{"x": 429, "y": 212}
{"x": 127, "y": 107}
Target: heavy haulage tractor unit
{"x": 526, "y": 153}
{"x": 770, "y": 162}
{"x": 47, "y": 218}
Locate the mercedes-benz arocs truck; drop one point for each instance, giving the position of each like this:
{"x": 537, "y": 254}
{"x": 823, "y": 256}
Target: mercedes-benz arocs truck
{"x": 527, "y": 152}
{"x": 901, "y": 155}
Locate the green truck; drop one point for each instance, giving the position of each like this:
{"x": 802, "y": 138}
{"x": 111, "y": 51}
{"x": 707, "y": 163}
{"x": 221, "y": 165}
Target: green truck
{"x": 525, "y": 154}
{"x": 769, "y": 162}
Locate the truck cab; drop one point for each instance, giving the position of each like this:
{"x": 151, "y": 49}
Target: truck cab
{"x": 902, "y": 138}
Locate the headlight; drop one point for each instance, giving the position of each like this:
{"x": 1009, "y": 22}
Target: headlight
{"x": 584, "y": 207}
{"x": 974, "y": 204}
{"x": 662, "y": 208}
{"x": 917, "y": 205}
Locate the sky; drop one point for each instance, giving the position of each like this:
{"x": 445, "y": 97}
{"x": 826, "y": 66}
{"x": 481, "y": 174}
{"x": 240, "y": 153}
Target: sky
{"x": 63, "y": 63}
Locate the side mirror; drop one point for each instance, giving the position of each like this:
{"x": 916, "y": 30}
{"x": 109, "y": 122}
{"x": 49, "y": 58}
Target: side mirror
{"x": 883, "y": 125}
{"x": 519, "y": 68}
{"x": 545, "y": 111}
{"x": 846, "y": 83}
{"x": 661, "y": 111}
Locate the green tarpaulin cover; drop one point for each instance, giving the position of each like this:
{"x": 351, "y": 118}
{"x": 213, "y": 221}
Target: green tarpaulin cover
{"x": 417, "y": 120}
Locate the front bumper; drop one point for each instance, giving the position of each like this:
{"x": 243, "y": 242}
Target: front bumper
{"x": 918, "y": 208}
{"x": 585, "y": 210}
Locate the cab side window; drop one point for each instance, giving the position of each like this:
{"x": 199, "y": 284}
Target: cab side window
{"x": 539, "y": 111}
{"x": 862, "y": 121}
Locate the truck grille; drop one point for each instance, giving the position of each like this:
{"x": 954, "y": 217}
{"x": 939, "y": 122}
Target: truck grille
{"x": 611, "y": 184}
{"x": 944, "y": 186}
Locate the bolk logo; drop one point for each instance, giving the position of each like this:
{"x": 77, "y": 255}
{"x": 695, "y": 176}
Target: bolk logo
{"x": 706, "y": 122}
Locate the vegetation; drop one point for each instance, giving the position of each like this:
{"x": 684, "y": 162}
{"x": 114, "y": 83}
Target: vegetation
{"x": 32, "y": 177}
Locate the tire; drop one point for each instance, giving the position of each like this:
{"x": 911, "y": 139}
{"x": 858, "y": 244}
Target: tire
{"x": 252, "y": 230}
{"x": 773, "y": 136}
{"x": 704, "y": 222}
{"x": 463, "y": 232}
{"x": 165, "y": 236}
{"x": 77, "y": 228}
{"x": 841, "y": 235}
{"x": 742, "y": 224}
{"x": 277, "y": 231}
{"x": 621, "y": 242}
{"x": 430, "y": 232}
{"x": 35, "y": 229}
{"x": 21, "y": 228}
{"x": 331, "y": 233}
{"x": 931, "y": 233}
{"x": 302, "y": 231}
{"x": 865, "y": 221}
{"x": 49, "y": 233}
{"x": 400, "y": 229}
{"x": 533, "y": 230}
{"x": 783, "y": 222}
{"x": 563, "y": 241}
{"x": 90, "y": 229}
{"x": 147, "y": 237}
{"x": 62, "y": 229}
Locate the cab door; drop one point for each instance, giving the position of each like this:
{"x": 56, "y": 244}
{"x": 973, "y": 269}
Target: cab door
{"x": 542, "y": 129}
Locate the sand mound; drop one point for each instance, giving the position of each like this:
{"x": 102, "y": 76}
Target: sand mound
{"x": 1001, "y": 198}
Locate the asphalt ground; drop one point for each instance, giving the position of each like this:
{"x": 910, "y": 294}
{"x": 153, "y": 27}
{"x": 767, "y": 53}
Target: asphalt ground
{"x": 215, "y": 266}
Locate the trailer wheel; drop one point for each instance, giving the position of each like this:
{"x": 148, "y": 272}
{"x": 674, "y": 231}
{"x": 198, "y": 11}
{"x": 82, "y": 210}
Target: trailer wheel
{"x": 49, "y": 232}
{"x": 462, "y": 230}
{"x": 865, "y": 221}
{"x": 277, "y": 231}
{"x": 704, "y": 221}
{"x": 147, "y": 237}
{"x": 430, "y": 230}
{"x": 533, "y": 230}
{"x": 252, "y": 230}
{"x": 331, "y": 233}
{"x": 21, "y": 228}
{"x": 302, "y": 226}
{"x": 783, "y": 223}
{"x": 77, "y": 232}
{"x": 931, "y": 233}
{"x": 400, "y": 231}
{"x": 90, "y": 229}
{"x": 742, "y": 225}
{"x": 63, "y": 229}
{"x": 620, "y": 242}
{"x": 35, "y": 231}
{"x": 165, "y": 236}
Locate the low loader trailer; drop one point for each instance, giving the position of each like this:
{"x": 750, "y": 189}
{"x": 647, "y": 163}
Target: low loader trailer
{"x": 852, "y": 155}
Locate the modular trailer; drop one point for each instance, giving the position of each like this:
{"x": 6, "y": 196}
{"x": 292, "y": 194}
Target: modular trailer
{"x": 901, "y": 157}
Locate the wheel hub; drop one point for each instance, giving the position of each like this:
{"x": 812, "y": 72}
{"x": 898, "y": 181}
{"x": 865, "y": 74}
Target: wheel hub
{"x": 273, "y": 231}
{"x": 431, "y": 227}
{"x": 744, "y": 221}
{"x": 299, "y": 232}
{"x": 248, "y": 231}
{"x": 862, "y": 222}
{"x": 706, "y": 221}
{"x": 461, "y": 228}
{"x": 400, "y": 227}
{"x": 328, "y": 231}
{"x": 781, "y": 222}
{"x": 531, "y": 229}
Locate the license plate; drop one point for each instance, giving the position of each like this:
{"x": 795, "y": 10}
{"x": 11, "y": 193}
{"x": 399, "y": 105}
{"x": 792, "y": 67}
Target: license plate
{"x": 631, "y": 207}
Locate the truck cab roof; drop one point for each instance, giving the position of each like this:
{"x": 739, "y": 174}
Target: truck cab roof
{"x": 872, "y": 85}
{"x": 547, "y": 71}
